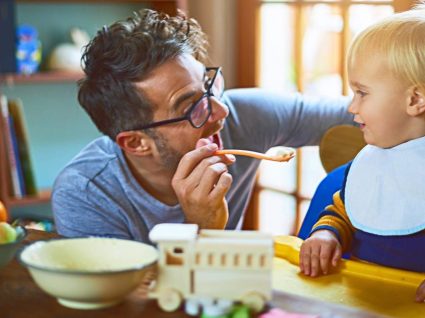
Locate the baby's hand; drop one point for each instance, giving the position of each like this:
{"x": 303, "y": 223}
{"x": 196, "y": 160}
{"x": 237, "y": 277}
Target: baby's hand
{"x": 318, "y": 251}
{"x": 420, "y": 293}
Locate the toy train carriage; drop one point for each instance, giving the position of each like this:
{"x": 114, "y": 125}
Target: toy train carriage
{"x": 233, "y": 265}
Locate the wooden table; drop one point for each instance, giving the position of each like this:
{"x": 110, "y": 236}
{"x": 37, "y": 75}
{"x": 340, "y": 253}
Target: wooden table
{"x": 20, "y": 297}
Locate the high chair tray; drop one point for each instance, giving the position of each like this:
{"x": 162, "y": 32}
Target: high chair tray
{"x": 369, "y": 287}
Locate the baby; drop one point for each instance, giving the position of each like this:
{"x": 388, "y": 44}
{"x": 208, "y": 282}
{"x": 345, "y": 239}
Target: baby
{"x": 379, "y": 214}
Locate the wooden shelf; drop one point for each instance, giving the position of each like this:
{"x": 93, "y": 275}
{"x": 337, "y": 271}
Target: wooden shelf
{"x": 41, "y": 198}
{"x": 42, "y": 77}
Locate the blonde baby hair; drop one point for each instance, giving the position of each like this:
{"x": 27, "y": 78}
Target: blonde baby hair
{"x": 399, "y": 41}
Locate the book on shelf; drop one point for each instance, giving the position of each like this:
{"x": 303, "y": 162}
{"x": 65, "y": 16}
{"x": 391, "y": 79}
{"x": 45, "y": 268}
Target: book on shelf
{"x": 12, "y": 153}
{"x": 16, "y": 111}
{"x": 17, "y": 143}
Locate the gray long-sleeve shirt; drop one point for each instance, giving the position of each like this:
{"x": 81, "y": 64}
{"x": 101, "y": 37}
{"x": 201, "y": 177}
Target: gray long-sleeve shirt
{"x": 96, "y": 194}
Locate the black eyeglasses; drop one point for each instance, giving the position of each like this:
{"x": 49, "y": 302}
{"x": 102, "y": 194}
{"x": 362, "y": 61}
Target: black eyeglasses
{"x": 200, "y": 111}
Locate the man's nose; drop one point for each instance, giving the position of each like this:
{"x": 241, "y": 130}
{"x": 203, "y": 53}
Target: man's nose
{"x": 218, "y": 110}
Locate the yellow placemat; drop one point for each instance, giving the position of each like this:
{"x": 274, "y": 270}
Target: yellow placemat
{"x": 369, "y": 287}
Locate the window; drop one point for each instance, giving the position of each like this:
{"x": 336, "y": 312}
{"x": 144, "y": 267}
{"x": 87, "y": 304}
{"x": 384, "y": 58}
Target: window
{"x": 298, "y": 45}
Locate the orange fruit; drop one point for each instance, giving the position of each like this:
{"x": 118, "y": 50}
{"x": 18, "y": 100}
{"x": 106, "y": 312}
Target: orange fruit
{"x": 3, "y": 213}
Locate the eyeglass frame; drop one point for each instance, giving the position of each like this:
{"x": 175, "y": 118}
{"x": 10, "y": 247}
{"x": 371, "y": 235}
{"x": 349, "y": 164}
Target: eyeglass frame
{"x": 187, "y": 115}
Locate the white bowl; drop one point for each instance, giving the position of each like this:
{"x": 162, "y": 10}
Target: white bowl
{"x": 88, "y": 273}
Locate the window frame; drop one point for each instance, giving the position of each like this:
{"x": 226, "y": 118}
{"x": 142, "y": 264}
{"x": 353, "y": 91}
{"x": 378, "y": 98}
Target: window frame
{"x": 248, "y": 73}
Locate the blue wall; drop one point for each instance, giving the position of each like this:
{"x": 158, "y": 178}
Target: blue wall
{"x": 58, "y": 127}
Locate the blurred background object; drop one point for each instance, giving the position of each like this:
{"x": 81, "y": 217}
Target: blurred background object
{"x": 67, "y": 56}
{"x": 28, "y": 49}
{"x": 3, "y": 213}
{"x": 11, "y": 238}
{"x": 7, "y": 37}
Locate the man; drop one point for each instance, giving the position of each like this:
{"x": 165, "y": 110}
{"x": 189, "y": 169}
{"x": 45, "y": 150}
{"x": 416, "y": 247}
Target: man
{"x": 164, "y": 115}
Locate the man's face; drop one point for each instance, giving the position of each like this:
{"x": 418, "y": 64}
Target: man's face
{"x": 173, "y": 87}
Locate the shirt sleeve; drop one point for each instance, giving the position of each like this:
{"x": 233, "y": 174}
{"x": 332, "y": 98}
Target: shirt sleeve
{"x": 79, "y": 211}
{"x": 334, "y": 218}
{"x": 274, "y": 119}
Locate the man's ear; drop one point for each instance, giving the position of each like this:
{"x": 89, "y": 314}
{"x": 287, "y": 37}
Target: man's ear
{"x": 416, "y": 105}
{"x": 135, "y": 142}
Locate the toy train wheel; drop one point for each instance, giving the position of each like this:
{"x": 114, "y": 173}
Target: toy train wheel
{"x": 169, "y": 300}
{"x": 254, "y": 301}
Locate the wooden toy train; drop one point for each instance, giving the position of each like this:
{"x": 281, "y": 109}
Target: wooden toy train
{"x": 214, "y": 264}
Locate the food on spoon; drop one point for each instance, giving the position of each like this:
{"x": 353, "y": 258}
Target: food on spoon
{"x": 281, "y": 152}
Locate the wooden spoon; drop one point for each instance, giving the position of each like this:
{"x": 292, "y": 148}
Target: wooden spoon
{"x": 278, "y": 154}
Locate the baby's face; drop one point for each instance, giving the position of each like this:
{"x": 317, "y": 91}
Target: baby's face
{"x": 380, "y": 102}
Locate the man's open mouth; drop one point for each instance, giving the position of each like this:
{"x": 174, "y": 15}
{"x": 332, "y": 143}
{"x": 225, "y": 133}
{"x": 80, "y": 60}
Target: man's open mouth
{"x": 216, "y": 139}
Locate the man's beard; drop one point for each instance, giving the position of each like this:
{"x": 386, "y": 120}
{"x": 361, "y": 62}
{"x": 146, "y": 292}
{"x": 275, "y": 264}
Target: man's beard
{"x": 170, "y": 158}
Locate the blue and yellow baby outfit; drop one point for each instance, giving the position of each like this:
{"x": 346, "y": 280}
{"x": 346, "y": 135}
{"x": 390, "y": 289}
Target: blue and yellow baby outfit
{"x": 379, "y": 214}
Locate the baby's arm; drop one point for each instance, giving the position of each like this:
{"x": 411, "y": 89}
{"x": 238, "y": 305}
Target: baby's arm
{"x": 420, "y": 293}
{"x": 320, "y": 250}
{"x": 331, "y": 235}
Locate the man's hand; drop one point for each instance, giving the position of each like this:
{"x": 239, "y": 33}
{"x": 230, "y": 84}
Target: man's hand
{"x": 318, "y": 252}
{"x": 201, "y": 183}
{"x": 420, "y": 293}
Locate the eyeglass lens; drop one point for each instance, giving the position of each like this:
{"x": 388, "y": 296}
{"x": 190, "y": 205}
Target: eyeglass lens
{"x": 218, "y": 86}
{"x": 200, "y": 112}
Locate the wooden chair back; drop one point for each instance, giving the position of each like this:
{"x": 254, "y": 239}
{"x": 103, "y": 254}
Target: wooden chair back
{"x": 339, "y": 145}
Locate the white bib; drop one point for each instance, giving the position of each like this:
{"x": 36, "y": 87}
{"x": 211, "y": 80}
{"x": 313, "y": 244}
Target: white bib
{"x": 385, "y": 189}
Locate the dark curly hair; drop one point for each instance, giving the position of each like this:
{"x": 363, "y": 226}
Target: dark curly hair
{"x": 125, "y": 53}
